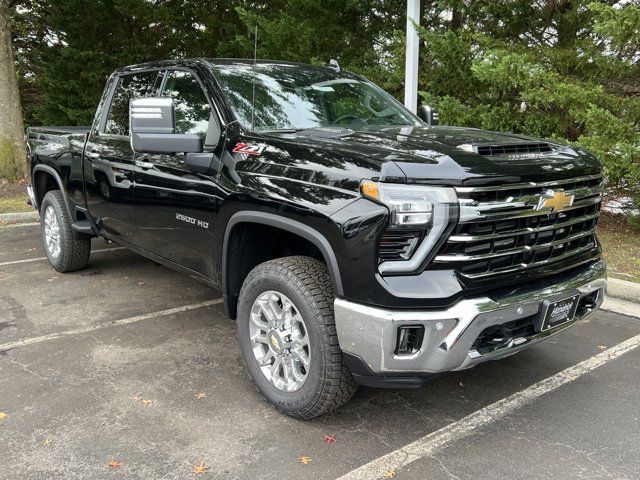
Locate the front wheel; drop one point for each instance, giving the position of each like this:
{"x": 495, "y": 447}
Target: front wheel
{"x": 288, "y": 337}
{"x": 65, "y": 252}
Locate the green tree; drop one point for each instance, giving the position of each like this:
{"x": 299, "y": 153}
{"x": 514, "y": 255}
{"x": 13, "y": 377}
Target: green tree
{"x": 12, "y": 153}
{"x": 566, "y": 70}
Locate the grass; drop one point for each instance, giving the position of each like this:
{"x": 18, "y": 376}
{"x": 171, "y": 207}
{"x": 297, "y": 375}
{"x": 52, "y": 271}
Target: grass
{"x": 13, "y": 204}
{"x": 620, "y": 246}
{"x": 13, "y": 197}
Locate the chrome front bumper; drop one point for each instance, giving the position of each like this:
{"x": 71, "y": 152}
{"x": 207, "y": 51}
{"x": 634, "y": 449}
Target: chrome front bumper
{"x": 370, "y": 333}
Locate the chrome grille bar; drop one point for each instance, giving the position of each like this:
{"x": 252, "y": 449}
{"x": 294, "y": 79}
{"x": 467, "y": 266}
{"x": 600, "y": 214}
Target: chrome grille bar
{"x": 502, "y": 230}
{"x": 519, "y": 186}
{"x": 522, "y": 231}
{"x": 514, "y": 251}
{"x": 539, "y": 263}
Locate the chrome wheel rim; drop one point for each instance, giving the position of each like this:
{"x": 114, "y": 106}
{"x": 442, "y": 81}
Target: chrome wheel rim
{"x": 52, "y": 232}
{"x": 280, "y": 341}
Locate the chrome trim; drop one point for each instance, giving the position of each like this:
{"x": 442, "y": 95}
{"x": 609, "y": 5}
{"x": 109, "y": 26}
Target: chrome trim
{"x": 514, "y": 251}
{"x": 518, "y": 186}
{"x": 523, "y": 231}
{"x": 32, "y": 197}
{"x": 524, "y": 266}
{"x": 472, "y": 211}
{"x": 369, "y": 333}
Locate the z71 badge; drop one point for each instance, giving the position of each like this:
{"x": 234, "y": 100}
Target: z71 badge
{"x": 247, "y": 149}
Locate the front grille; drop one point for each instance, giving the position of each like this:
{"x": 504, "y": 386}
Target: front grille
{"x": 502, "y": 231}
{"x": 490, "y": 150}
{"x": 397, "y": 244}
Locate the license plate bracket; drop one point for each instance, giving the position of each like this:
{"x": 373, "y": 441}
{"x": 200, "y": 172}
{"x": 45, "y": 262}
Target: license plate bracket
{"x": 556, "y": 312}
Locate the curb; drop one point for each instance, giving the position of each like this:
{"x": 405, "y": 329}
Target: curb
{"x": 623, "y": 289}
{"x": 21, "y": 217}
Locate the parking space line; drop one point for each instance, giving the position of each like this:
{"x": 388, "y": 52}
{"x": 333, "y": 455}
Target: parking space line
{"x": 125, "y": 321}
{"x": 434, "y": 442}
{"x": 38, "y": 259}
{"x": 16, "y": 225}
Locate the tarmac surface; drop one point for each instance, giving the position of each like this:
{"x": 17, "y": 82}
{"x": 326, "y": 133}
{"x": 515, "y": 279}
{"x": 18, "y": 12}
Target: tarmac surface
{"x": 128, "y": 361}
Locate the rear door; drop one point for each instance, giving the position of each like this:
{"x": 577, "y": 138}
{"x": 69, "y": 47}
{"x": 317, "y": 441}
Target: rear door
{"x": 175, "y": 206}
{"x": 108, "y": 161}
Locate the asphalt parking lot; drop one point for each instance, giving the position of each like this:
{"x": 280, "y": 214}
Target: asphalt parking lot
{"x": 131, "y": 362}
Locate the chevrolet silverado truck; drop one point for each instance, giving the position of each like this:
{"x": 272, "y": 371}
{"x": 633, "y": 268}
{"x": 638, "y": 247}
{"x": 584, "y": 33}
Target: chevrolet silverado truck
{"x": 352, "y": 241}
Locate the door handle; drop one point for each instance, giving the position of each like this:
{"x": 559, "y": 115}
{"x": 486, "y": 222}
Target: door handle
{"x": 93, "y": 154}
{"x": 144, "y": 165}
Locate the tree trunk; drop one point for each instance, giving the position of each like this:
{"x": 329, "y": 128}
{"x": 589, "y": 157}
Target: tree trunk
{"x": 12, "y": 151}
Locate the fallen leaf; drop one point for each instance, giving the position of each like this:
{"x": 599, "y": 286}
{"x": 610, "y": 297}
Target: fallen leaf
{"x": 3, "y": 415}
{"x": 305, "y": 460}
{"x": 200, "y": 395}
{"x": 115, "y": 464}
{"x": 602, "y": 347}
{"x": 146, "y": 403}
{"x": 46, "y": 441}
{"x": 389, "y": 473}
{"x": 201, "y": 468}
{"x": 330, "y": 439}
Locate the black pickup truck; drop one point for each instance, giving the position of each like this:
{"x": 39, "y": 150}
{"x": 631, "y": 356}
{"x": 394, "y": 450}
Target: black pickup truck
{"x": 352, "y": 241}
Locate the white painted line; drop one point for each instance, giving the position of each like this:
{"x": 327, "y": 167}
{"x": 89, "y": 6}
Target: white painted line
{"x": 434, "y": 442}
{"x": 16, "y": 225}
{"x": 38, "y": 259}
{"x": 114, "y": 323}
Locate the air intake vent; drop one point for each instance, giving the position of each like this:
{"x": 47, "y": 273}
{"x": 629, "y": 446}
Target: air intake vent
{"x": 397, "y": 245}
{"x": 489, "y": 150}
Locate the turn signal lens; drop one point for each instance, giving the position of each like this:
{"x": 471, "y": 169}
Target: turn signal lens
{"x": 369, "y": 189}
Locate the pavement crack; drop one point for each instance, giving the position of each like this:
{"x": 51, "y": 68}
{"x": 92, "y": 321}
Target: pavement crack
{"x": 444, "y": 467}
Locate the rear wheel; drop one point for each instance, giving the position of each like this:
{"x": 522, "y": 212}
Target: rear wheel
{"x": 288, "y": 338}
{"x": 65, "y": 251}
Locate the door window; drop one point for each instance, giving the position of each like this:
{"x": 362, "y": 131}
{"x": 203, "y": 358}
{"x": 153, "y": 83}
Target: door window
{"x": 129, "y": 86}
{"x": 192, "y": 109}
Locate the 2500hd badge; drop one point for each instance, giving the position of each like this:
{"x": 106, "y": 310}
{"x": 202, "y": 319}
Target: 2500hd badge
{"x": 191, "y": 220}
{"x": 353, "y": 242}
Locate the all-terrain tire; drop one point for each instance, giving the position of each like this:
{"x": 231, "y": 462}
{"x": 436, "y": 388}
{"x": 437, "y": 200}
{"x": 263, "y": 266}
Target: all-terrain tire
{"x": 72, "y": 252}
{"x": 306, "y": 282}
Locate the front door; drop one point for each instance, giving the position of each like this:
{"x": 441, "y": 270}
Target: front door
{"x": 108, "y": 161}
{"x": 175, "y": 206}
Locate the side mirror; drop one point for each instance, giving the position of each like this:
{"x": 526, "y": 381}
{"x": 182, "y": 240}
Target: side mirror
{"x": 429, "y": 115}
{"x": 152, "y": 124}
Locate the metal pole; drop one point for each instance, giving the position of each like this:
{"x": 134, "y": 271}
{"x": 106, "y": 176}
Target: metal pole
{"x": 411, "y": 56}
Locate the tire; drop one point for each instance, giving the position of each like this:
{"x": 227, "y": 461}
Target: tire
{"x": 65, "y": 251}
{"x": 305, "y": 282}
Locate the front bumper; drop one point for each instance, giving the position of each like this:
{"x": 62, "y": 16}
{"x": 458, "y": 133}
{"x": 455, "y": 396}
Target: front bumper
{"x": 369, "y": 335}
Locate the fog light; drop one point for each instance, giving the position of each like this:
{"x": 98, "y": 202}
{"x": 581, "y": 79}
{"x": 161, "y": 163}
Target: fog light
{"x": 409, "y": 339}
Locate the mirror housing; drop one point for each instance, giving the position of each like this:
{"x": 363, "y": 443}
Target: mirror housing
{"x": 429, "y": 115}
{"x": 152, "y": 124}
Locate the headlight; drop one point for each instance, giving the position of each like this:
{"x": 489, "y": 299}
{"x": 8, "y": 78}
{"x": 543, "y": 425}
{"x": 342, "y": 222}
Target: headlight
{"x": 423, "y": 207}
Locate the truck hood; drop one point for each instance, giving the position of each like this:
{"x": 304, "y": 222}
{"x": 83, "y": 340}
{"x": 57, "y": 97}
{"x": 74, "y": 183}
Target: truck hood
{"x": 449, "y": 155}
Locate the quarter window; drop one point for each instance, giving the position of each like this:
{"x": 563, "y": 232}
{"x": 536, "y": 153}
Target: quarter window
{"x": 192, "y": 109}
{"x": 129, "y": 86}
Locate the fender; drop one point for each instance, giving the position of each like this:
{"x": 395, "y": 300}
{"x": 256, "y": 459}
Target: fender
{"x": 293, "y": 226}
{"x": 51, "y": 171}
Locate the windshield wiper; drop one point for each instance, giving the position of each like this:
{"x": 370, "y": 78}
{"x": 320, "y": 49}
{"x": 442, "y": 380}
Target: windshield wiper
{"x": 283, "y": 130}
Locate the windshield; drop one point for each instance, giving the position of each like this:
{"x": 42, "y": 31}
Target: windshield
{"x": 303, "y": 97}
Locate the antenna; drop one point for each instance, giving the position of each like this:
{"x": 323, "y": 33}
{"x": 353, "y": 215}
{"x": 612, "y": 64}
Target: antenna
{"x": 253, "y": 93}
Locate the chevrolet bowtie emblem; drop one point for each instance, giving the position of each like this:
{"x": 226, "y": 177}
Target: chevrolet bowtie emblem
{"x": 555, "y": 201}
